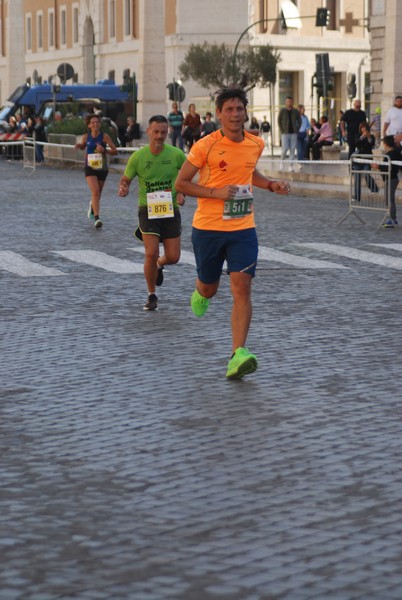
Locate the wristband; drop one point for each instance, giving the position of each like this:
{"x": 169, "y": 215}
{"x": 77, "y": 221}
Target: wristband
{"x": 210, "y": 192}
{"x": 269, "y": 186}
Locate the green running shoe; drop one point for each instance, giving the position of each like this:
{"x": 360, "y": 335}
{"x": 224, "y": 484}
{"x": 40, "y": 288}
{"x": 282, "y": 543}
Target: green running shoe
{"x": 90, "y": 212}
{"x": 199, "y": 304}
{"x": 242, "y": 363}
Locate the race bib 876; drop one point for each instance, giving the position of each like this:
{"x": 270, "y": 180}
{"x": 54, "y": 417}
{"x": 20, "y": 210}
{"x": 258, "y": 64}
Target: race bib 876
{"x": 160, "y": 205}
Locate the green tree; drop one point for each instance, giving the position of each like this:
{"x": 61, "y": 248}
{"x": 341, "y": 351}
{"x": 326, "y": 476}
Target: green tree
{"x": 214, "y": 66}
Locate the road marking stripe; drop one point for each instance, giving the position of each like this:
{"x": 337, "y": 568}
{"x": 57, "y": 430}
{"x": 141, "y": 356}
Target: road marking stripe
{"x": 390, "y": 246}
{"x": 362, "y": 255}
{"x": 19, "y": 265}
{"x": 301, "y": 262}
{"x": 270, "y": 254}
{"x": 102, "y": 261}
{"x": 185, "y": 256}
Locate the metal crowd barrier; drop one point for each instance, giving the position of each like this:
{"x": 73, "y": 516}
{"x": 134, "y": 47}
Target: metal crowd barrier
{"x": 11, "y": 145}
{"x": 370, "y": 186}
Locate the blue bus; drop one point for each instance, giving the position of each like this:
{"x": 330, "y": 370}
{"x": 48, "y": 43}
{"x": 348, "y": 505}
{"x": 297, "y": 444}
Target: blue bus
{"x": 77, "y": 99}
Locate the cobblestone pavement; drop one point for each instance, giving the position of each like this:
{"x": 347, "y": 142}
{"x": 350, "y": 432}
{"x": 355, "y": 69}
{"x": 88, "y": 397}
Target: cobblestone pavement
{"x": 131, "y": 469}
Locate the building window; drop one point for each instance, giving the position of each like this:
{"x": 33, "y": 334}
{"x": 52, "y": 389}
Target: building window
{"x": 63, "y": 27}
{"x": 75, "y": 24}
{"x": 112, "y": 19}
{"x": 51, "y": 29}
{"x": 128, "y": 17}
{"x": 28, "y": 32}
{"x": 263, "y": 15}
{"x": 39, "y": 30}
{"x": 286, "y": 86}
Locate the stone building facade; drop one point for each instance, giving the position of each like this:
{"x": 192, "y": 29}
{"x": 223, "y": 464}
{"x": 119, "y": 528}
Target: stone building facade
{"x": 103, "y": 39}
{"x": 386, "y": 47}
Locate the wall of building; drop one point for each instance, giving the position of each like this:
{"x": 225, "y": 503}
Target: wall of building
{"x": 99, "y": 51}
{"x": 346, "y": 40}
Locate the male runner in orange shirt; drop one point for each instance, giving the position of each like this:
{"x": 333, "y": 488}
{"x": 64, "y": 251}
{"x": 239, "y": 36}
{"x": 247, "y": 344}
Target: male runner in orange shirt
{"x": 223, "y": 224}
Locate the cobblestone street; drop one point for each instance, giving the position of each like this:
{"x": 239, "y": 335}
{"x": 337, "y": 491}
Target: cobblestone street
{"x": 131, "y": 469}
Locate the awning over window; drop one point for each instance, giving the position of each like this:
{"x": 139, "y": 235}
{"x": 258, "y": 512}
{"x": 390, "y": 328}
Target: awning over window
{"x": 290, "y": 14}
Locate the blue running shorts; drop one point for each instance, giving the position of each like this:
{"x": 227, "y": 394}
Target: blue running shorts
{"x": 212, "y": 248}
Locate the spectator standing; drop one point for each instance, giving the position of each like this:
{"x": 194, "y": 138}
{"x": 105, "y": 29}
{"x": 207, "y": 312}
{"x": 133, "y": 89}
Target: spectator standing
{"x": 12, "y": 151}
{"x": 313, "y": 135}
{"x": 21, "y": 121}
{"x": 393, "y": 155}
{"x": 350, "y": 122}
{"x": 175, "y": 119}
{"x": 365, "y": 143}
{"x": 339, "y": 129}
{"x": 289, "y": 122}
{"x": 39, "y": 135}
{"x": 393, "y": 118}
{"x": 131, "y": 131}
{"x": 30, "y": 124}
{"x": 254, "y": 124}
{"x": 265, "y": 128}
{"x": 302, "y": 135}
{"x": 375, "y": 126}
{"x": 208, "y": 125}
{"x": 191, "y": 126}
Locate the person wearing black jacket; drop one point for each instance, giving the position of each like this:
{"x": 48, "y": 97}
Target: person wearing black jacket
{"x": 393, "y": 154}
{"x": 350, "y": 122}
{"x": 39, "y": 135}
{"x": 364, "y": 143}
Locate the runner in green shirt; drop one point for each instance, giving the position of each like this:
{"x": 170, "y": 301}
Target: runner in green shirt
{"x": 156, "y": 166}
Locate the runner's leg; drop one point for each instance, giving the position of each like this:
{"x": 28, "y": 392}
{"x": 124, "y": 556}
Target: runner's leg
{"x": 240, "y": 284}
{"x": 96, "y": 187}
{"x": 151, "y": 245}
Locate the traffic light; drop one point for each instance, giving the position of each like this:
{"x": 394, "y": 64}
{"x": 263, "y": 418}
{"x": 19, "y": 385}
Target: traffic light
{"x": 323, "y": 70}
{"x": 170, "y": 87}
{"x": 351, "y": 86}
{"x": 127, "y": 82}
{"x": 323, "y": 17}
{"x": 176, "y": 91}
{"x": 324, "y": 75}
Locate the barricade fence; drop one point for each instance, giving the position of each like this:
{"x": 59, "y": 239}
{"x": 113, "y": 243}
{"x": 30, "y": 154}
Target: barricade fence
{"x": 370, "y": 175}
{"x": 370, "y": 186}
{"x": 11, "y": 145}
{"x": 29, "y": 154}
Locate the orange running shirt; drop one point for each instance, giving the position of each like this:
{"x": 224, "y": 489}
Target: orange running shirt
{"x": 223, "y": 162}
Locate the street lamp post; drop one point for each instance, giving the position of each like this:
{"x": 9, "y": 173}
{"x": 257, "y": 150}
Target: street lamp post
{"x": 258, "y": 23}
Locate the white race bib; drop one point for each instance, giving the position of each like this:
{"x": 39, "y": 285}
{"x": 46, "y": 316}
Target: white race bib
{"x": 160, "y": 205}
{"x": 95, "y": 161}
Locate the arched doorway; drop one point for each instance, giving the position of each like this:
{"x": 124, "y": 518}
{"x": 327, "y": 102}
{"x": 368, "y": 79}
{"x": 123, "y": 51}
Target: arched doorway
{"x": 88, "y": 52}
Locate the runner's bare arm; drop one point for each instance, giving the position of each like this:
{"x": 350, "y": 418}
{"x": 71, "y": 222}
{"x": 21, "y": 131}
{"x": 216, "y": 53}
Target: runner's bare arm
{"x": 124, "y": 186}
{"x": 278, "y": 187}
{"x": 82, "y": 145}
{"x": 184, "y": 183}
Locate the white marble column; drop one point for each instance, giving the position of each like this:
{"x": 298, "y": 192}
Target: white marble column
{"x": 151, "y": 73}
{"x": 15, "y": 48}
{"x": 392, "y": 74}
